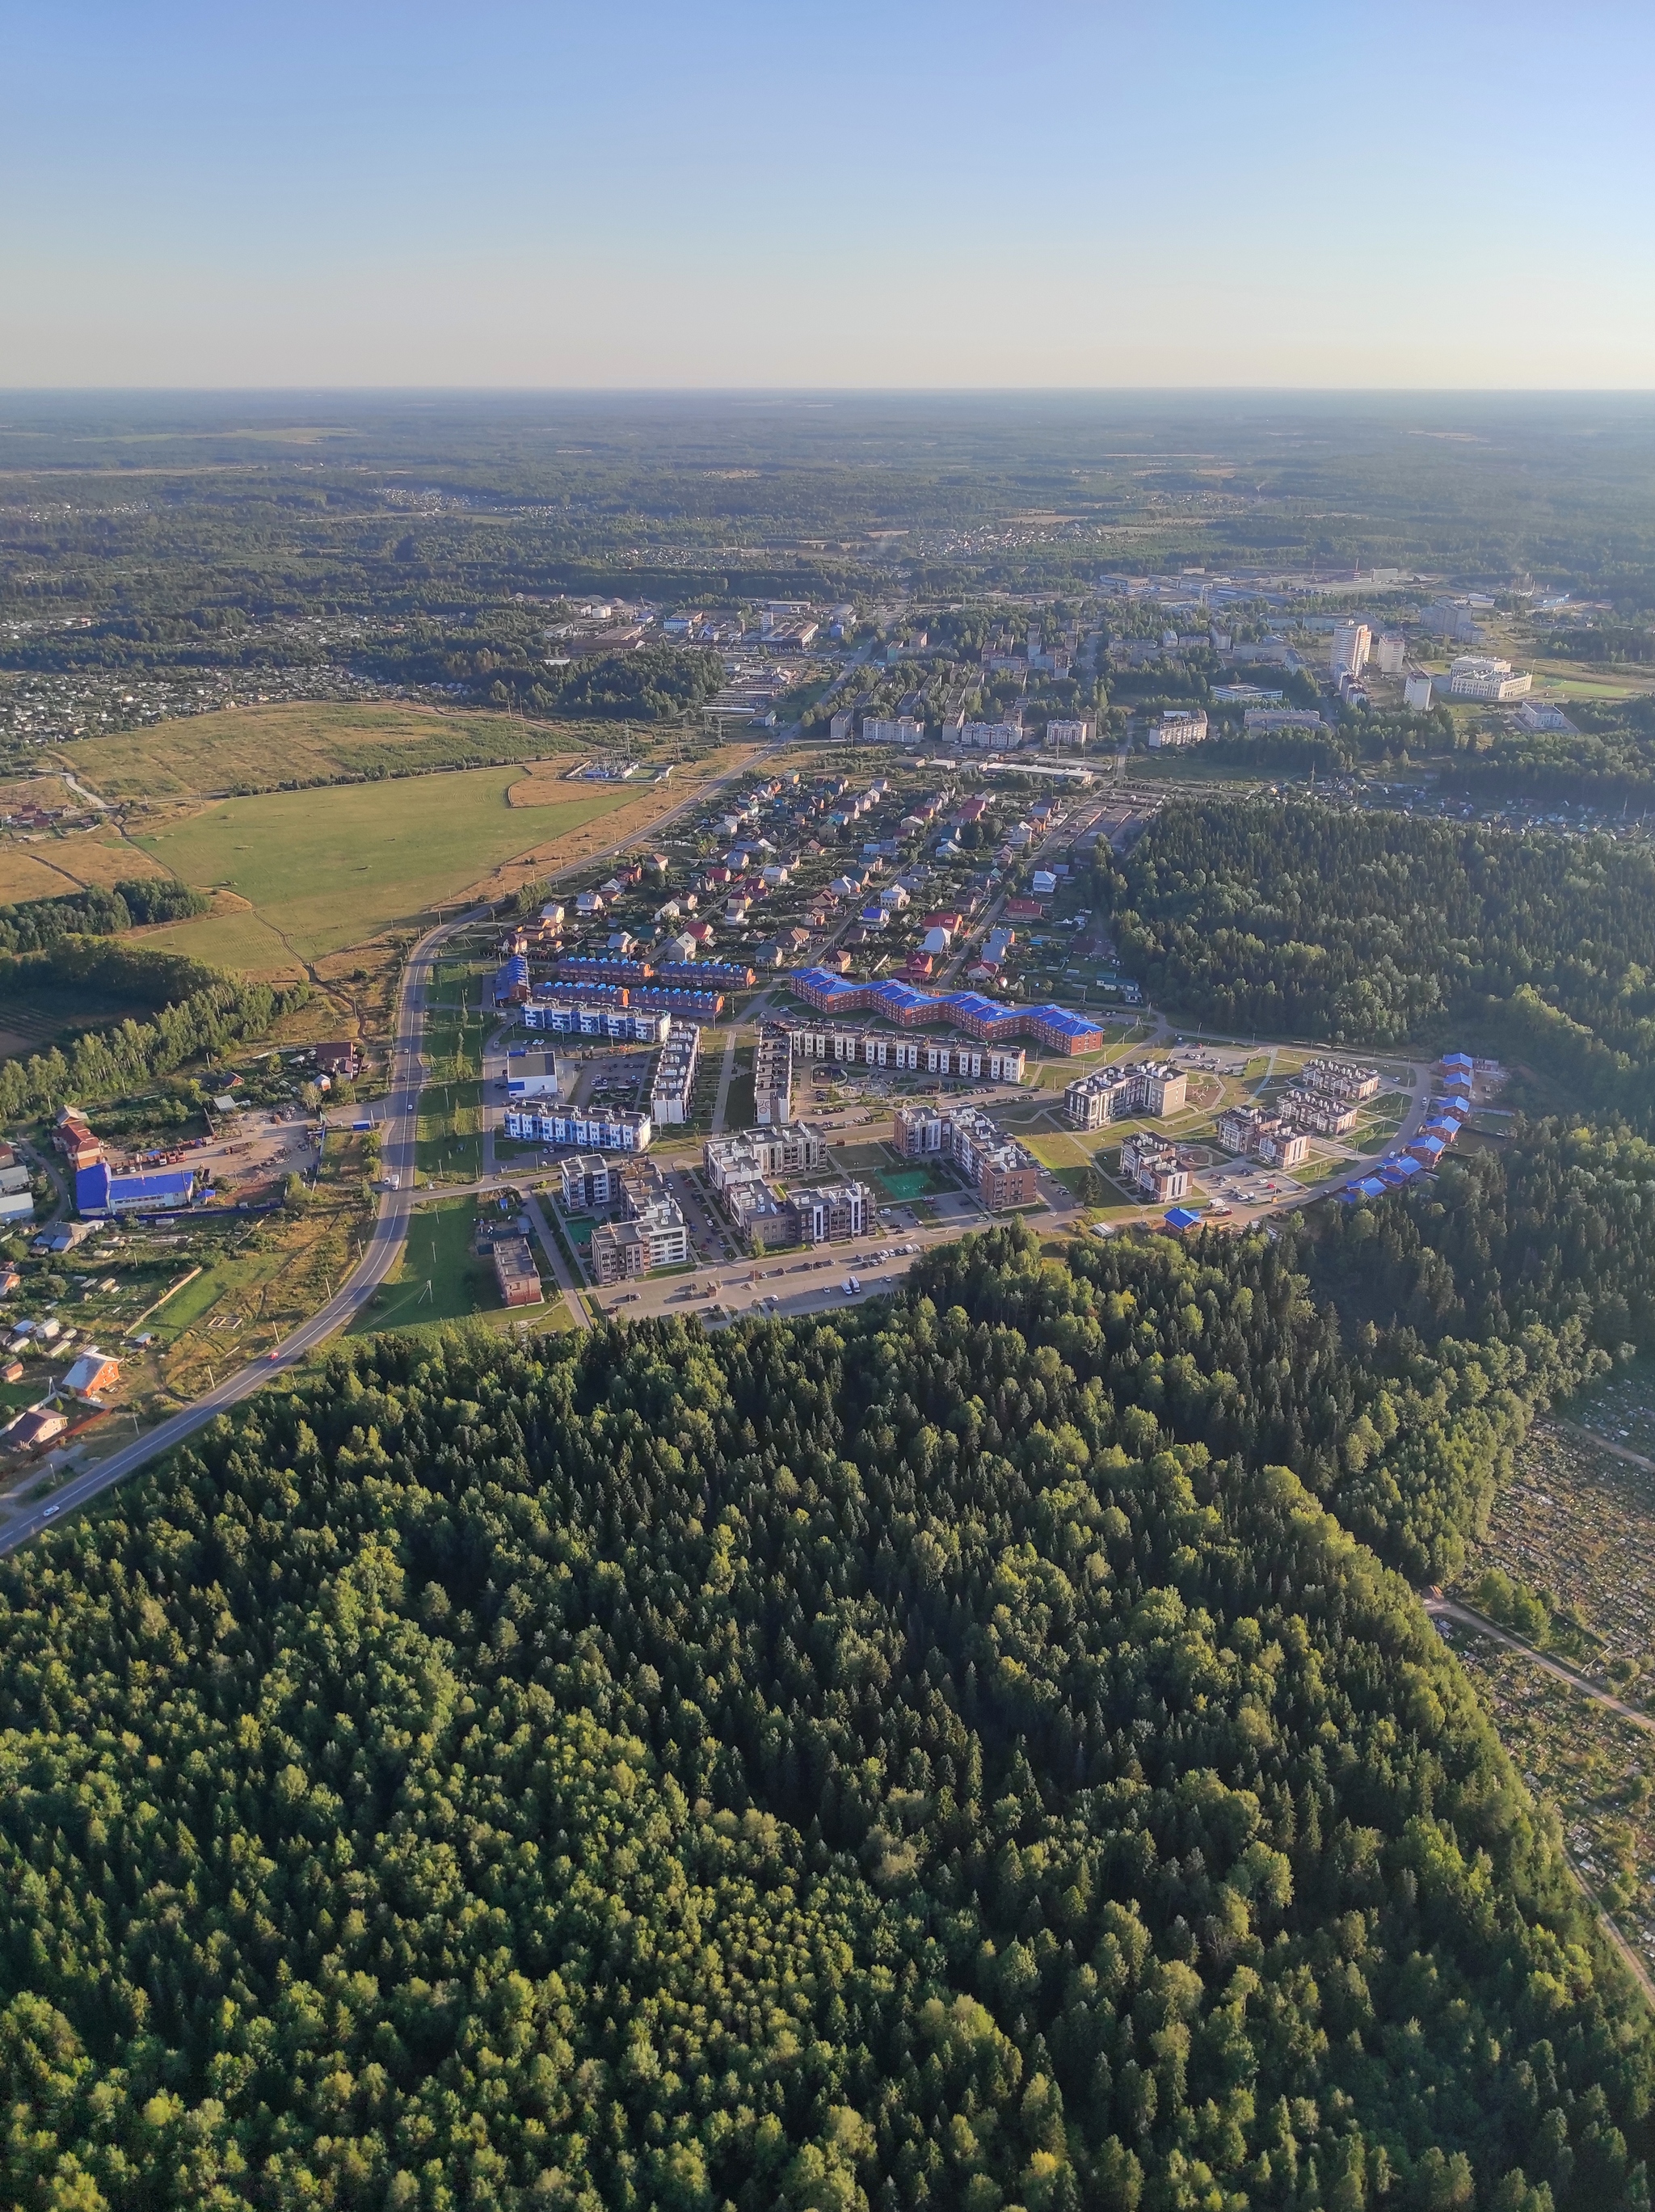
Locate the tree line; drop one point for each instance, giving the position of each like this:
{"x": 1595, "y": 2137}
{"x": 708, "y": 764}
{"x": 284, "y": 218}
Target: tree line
{"x": 196, "y": 1010}
{"x": 33, "y": 924}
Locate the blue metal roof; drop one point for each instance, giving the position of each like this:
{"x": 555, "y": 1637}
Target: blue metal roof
{"x": 1181, "y": 1216}
{"x": 1066, "y": 1024}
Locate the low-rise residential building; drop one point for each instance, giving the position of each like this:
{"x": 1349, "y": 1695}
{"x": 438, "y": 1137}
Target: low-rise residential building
{"x": 591, "y": 1182}
{"x": 1178, "y": 725}
{"x": 1339, "y": 1078}
{"x": 652, "y": 1235}
{"x": 515, "y": 1272}
{"x": 1001, "y": 1172}
{"x": 1323, "y": 1113}
{"x": 597, "y": 1129}
{"x": 772, "y": 1078}
{"x": 794, "y": 1149}
{"x": 880, "y": 1048}
{"x": 1115, "y": 1094}
{"x": 901, "y": 730}
{"x": 674, "y": 1081}
{"x": 1257, "y": 1134}
{"x": 1261, "y": 721}
{"x": 1153, "y": 1168}
{"x": 831, "y": 1212}
{"x": 625, "y": 1024}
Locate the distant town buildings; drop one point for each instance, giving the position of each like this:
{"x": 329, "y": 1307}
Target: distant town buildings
{"x": 1480, "y": 676}
{"x": 1178, "y": 725}
{"x": 1348, "y": 653}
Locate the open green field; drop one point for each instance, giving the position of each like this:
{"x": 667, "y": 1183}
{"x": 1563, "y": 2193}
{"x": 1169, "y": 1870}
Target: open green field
{"x": 306, "y": 741}
{"x": 325, "y": 870}
{"x": 440, "y": 1255}
{"x": 448, "y": 1134}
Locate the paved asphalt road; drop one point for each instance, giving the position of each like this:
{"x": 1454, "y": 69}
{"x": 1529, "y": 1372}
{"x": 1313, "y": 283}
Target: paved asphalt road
{"x": 384, "y": 1250}
{"x": 396, "y": 1115}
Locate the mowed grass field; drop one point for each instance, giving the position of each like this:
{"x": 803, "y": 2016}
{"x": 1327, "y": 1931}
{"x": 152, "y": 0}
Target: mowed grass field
{"x": 328, "y": 869}
{"x": 58, "y": 866}
{"x": 305, "y": 741}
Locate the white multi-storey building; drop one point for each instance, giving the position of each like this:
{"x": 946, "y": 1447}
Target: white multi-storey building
{"x": 1480, "y": 676}
{"x": 618, "y": 1131}
{"x": 1114, "y": 1094}
{"x": 1351, "y": 644}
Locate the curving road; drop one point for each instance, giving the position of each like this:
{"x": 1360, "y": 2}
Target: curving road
{"x": 397, "y": 1117}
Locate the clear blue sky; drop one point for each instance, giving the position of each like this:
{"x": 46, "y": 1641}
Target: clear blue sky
{"x": 1301, "y": 193}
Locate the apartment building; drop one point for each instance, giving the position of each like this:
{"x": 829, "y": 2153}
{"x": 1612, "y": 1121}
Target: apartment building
{"x": 1178, "y": 725}
{"x": 1320, "y": 1112}
{"x": 674, "y": 1081}
{"x": 652, "y": 1235}
{"x": 772, "y": 1078}
{"x": 611, "y": 1130}
{"x": 1339, "y": 1078}
{"x": 1153, "y": 1168}
{"x": 831, "y": 1212}
{"x": 622, "y": 1023}
{"x": 1114, "y": 1094}
{"x": 590, "y": 1184}
{"x": 797, "y": 1148}
{"x": 878, "y": 1048}
{"x": 1259, "y": 1135}
{"x": 1001, "y": 1172}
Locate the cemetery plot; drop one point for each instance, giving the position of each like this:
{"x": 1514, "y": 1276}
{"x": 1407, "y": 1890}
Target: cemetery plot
{"x": 1575, "y": 1527}
{"x": 1595, "y": 1770}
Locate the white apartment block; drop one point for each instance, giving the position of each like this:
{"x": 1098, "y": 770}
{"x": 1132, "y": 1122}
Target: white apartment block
{"x": 1115, "y": 1094}
{"x": 1349, "y": 650}
{"x": 1479, "y": 675}
{"x": 675, "y": 1076}
{"x": 594, "y": 1130}
{"x": 1178, "y": 725}
{"x": 880, "y": 1048}
{"x": 1390, "y": 651}
{"x": 902, "y": 729}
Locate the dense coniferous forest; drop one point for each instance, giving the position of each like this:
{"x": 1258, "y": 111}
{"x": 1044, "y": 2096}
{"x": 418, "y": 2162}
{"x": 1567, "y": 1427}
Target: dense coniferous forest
{"x": 933, "y": 1758}
{"x": 1375, "y": 929}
